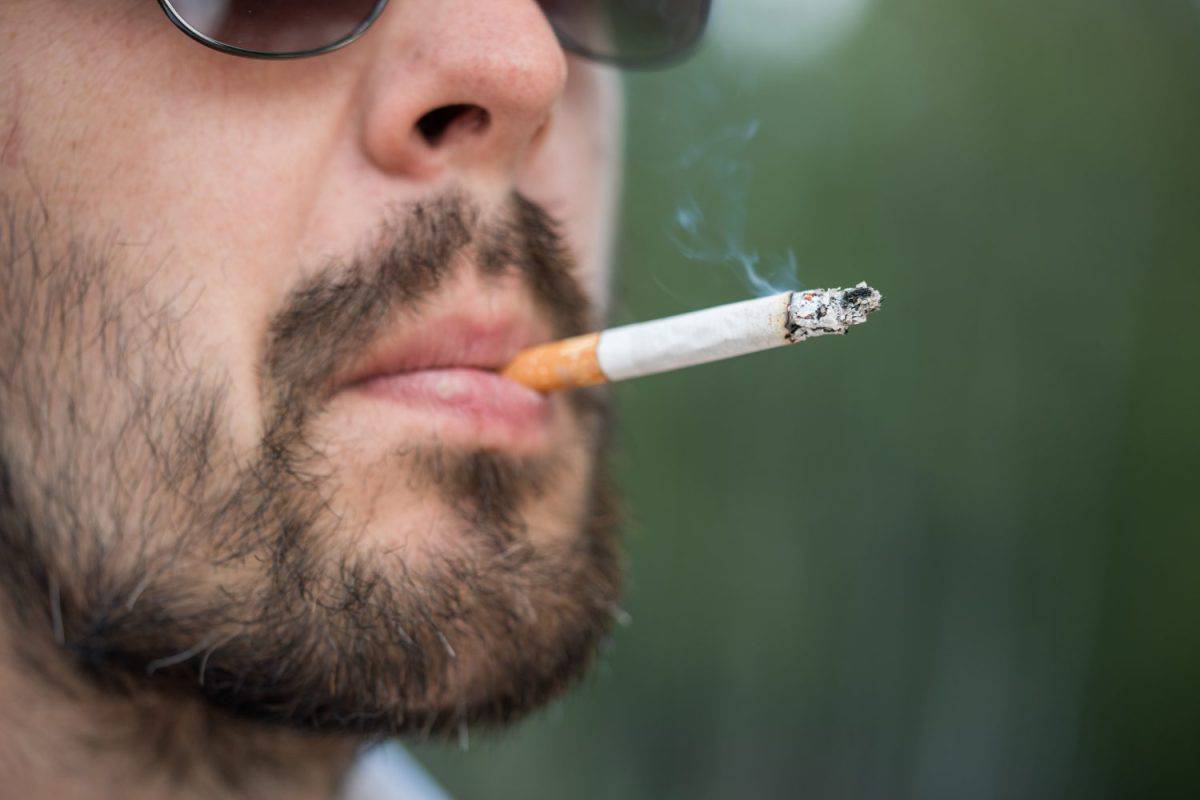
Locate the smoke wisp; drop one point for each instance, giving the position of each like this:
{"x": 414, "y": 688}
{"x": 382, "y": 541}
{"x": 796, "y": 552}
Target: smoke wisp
{"x": 715, "y": 232}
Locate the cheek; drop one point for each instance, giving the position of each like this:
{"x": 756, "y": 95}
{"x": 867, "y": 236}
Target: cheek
{"x": 575, "y": 174}
{"x": 200, "y": 197}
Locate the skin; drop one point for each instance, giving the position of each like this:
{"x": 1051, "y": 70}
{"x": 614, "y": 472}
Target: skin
{"x": 203, "y": 192}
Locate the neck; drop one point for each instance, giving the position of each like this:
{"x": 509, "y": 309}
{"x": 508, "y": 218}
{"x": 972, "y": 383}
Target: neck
{"x": 63, "y": 737}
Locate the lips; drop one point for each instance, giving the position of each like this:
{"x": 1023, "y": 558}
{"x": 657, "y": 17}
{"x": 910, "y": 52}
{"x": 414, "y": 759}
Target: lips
{"x": 443, "y": 373}
{"x": 449, "y": 341}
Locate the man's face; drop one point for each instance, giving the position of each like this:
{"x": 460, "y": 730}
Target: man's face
{"x": 252, "y": 442}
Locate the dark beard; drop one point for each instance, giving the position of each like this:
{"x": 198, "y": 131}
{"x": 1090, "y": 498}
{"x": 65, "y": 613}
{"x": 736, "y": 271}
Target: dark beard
{"x": 129, "y": 525}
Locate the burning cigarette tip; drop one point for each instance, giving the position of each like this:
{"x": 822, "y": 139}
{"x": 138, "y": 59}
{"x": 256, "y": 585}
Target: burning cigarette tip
{"x": 819, "y": 312}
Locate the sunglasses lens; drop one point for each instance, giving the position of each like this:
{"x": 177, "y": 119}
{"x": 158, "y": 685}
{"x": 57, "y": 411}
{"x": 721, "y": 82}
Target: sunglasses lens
{"x": 276, "y": 27}
{"x": 628, "y": 32}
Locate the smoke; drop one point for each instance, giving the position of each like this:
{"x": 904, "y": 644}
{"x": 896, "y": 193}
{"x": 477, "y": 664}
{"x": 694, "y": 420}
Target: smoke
{"x": 718, "y": 169}
{"x": 709, "y": 225}
{"x": 801, "y": 33}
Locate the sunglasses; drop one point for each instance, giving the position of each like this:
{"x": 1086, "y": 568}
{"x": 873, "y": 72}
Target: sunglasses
{"x": 627, "y": 33}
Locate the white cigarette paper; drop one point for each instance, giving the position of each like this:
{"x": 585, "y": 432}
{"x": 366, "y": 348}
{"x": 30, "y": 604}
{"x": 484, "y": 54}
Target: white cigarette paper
{"x": 731, "y": 330}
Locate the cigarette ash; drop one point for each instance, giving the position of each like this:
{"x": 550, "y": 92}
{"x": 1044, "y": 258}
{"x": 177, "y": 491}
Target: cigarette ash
{"x": 819, "y": 312}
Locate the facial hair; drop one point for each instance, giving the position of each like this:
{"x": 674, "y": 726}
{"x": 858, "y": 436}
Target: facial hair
{"x": 157, "y": 556}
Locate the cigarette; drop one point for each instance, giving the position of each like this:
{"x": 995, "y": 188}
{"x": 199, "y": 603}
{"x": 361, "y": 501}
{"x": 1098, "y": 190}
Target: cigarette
{"x": 712, "y": 334}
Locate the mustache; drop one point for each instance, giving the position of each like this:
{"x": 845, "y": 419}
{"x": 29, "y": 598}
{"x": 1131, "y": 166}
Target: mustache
{"x": 340, "y": 309}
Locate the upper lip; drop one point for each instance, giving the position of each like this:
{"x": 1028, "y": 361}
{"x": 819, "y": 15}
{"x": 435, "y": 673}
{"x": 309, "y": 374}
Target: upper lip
{"x": 485, "y": 339}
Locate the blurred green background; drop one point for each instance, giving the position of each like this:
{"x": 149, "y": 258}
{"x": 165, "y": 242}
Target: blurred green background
{"x": 953, "y": 555}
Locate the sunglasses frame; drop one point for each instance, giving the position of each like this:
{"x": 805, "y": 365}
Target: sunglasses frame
{"x": 645, "y": 62}
{"x": 567, "y": 42}
{"x": 185, "y": 26}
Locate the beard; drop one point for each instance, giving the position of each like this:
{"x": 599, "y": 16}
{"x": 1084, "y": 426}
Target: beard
{"x": 158, "y": 556}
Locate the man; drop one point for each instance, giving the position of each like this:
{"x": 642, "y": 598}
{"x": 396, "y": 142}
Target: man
{"x": 263, "y": 496}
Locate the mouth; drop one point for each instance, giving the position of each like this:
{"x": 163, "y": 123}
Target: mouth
{"x": 441, "y": 375}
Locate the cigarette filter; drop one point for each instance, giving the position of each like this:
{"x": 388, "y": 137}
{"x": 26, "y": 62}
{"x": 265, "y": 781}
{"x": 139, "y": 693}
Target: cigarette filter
{"x": 698, "y": 337}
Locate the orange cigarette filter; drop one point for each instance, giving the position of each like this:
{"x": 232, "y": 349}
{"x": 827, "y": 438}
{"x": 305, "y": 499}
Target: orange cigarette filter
{"x": 564, "y": 364}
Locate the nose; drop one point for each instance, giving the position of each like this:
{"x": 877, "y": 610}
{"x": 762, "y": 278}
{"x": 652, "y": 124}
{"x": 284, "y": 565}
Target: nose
{"x": 462, "y": 84}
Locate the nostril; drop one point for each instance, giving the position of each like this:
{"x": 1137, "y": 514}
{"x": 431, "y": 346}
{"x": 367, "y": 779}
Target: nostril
{"x": 436, "y": 125}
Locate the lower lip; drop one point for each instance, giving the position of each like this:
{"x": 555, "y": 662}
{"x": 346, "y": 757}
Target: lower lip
{"x": 482, "y": 400}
